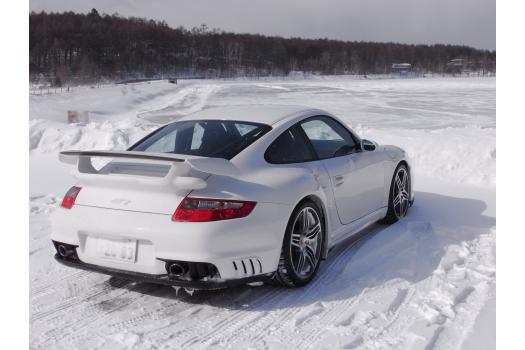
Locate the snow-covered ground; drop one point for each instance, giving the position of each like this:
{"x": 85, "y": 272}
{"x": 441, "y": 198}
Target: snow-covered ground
{"x": 427, "y": 282}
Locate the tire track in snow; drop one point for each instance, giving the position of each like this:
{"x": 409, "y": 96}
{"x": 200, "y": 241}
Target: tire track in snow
{"x": 389, "y": 335}
{"x": 88, "y": 312}
{"x": 72, "y": 301}
{"x": 336, "y": 268}
{"x": 177, "y": 333}
{"x": 188, "y": 100}
{"x": 277, "y": 317}
{"x": 332, "y": 267}
{"x": 48, "y": 284}
{"x": 234, "y": 318}
{"x": 390, "y": 314}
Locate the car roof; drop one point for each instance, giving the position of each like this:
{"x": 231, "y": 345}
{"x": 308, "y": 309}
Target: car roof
{"x": 262, "y": 113}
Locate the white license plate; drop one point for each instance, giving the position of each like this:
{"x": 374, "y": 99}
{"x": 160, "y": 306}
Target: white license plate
{"x": 117, "y": 249}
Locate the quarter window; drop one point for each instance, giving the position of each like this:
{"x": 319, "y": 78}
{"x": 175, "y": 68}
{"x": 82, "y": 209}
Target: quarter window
{"x": 328, "y": 137}
{"x": 290, "y": 147}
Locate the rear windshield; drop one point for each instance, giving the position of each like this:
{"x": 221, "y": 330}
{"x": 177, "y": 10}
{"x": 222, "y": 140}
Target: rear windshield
{"x": 204, "y": 138}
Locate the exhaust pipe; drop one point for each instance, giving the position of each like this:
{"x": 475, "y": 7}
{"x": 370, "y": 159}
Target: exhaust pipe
{"x": 65, "y": 252}
{"x": 176, "y": 269}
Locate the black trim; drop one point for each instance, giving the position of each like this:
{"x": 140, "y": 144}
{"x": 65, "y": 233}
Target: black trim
{"x": 163, "y": 279}
{"x": 308, "y": 142}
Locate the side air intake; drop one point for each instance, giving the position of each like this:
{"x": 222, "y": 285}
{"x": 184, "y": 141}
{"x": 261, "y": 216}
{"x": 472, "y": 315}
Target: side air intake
{"x": 247, "y": 267}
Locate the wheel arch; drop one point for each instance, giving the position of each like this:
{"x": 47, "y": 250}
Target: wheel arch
{"x": 403, "y": 162}
{"x": 392, "y": 174}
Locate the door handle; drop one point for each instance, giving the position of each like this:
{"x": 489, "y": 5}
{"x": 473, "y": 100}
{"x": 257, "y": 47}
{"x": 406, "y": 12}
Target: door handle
{"x": 339, "y": 180}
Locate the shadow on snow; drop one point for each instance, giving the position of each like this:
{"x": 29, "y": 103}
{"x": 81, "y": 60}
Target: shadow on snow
{"x": 410, "y": 249}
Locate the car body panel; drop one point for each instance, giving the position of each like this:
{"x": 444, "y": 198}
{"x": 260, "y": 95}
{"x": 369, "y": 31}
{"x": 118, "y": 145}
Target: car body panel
{"x": 358, "y": 184}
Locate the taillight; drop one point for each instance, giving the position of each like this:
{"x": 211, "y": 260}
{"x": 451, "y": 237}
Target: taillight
{"x": 205, "y": 209}
{"x": 69, "y": 198}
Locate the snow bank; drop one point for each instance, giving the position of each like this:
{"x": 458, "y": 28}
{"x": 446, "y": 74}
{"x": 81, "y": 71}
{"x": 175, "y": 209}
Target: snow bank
{"x": 464, "y": 155}
{"x": 119, "y": 114}
{"x": 46, "y": 136}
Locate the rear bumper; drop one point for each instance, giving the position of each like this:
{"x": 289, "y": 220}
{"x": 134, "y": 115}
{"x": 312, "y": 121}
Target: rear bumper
{"x": 238, "y": 248}
{"x": 162, "y": 279}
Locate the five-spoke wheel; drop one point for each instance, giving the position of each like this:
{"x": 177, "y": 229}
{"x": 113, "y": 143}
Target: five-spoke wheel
{"x": 302, "y": 246}
{"x": 401, "y": 192}
{"x": 306, "y": 244}
{"x": 399, "y": 198}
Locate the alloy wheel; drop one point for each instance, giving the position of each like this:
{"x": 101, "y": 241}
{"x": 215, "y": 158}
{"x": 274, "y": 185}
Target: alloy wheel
{"x": 306, "y": 242}
{"x": 401, "y": 193}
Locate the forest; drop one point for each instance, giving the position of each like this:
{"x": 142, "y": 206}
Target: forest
{"x": 75, "y": 48}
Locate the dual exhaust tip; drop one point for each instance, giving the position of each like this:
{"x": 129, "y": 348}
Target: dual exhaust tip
{"x": 66, "y": 251}
{"x": 176, "y": 269}
{"x": 190, "y": 271}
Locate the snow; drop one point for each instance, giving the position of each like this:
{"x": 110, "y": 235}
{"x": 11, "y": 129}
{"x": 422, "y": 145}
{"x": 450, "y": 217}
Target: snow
{"x": 427, "y": 282}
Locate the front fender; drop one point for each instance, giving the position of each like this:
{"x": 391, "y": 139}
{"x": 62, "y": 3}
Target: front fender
{"x": 396, "y": 155}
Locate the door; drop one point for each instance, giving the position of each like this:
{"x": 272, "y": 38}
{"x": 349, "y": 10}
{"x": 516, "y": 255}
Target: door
{"x": 357, "y": 177}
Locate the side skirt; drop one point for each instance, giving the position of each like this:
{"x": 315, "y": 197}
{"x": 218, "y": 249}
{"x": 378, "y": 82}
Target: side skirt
{"x": 356, "y": 226}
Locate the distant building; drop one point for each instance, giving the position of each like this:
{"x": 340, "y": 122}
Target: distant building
{"x": 403, "y": 69}
{"x": 459, "y": 65}
{"x": 401, "y": 66}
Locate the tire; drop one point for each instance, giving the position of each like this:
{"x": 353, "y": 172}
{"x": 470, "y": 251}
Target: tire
{"x": 303, "y": 242}
{"x": 398, "y": 204}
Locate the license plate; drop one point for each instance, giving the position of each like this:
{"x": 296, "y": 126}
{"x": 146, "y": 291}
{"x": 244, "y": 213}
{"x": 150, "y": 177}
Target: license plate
{"x": 117, "y": 249}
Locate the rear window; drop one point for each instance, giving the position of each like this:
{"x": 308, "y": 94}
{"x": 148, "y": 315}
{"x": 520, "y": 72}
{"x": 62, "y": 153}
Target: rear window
{"x": 203, "y": 138}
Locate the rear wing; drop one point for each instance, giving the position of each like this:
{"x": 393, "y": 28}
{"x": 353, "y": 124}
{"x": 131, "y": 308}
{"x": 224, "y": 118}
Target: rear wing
{"x": 144, "y": 169}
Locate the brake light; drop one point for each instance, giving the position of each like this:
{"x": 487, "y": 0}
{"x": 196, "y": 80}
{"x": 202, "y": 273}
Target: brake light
{"x": 205, "y": 209}
{"x": 70, "y": 197}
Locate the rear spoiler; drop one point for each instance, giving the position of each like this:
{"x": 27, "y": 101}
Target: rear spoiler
{"x": 178, "y": 174}
{"x": 70, "y": 156}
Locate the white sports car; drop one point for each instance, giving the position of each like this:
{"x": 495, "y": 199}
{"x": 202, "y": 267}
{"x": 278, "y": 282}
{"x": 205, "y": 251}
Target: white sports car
{"x": 229, "y": 196}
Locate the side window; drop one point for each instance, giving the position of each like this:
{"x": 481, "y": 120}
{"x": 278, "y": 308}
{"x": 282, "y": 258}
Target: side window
{"x": 328, "y": 137}
{"x": 290, "y": 147}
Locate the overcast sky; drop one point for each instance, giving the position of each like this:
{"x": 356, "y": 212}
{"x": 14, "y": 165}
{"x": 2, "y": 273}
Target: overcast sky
{"x": 466, "y": 22}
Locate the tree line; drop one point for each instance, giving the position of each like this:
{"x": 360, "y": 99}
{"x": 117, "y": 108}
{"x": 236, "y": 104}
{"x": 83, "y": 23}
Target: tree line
{"x": 80, "y": 48}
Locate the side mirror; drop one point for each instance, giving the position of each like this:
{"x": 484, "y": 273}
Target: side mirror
{"x": 367, "y": 145}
